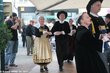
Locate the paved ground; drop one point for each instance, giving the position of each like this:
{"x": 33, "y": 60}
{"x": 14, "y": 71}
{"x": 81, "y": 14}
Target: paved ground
{"x": 26, "y": 65}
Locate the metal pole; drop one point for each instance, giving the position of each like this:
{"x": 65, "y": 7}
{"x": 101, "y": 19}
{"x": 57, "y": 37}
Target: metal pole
{"x": 1, "y": 12}
{"x": 2, "y": 53}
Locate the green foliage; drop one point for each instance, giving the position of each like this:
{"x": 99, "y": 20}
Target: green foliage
{"x": 5, "y": 36}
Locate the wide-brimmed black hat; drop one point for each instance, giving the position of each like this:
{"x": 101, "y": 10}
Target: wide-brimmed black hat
{"x": 108, "y": 16}
{"x": 65, "y": 13}
{"x": 90, "y": 3}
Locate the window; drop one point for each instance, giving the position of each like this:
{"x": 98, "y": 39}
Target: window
{"x": 23, "y": 0}
{"x": 27, "y": 17}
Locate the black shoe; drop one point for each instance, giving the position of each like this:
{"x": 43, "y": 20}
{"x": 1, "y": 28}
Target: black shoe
{"x": 13, "y": 65}
{"x": 6, "y": 69}
{"x": 46, "y": 68}
{"x": 61, "y": 69}
{"x": 41, "y": 70}
{"x": 69, "y": 61}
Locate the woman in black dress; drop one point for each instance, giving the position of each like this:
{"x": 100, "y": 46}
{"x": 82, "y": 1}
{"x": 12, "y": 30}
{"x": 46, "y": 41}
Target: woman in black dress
{"x": 71, "y": 40}
{"x": 87, "y": 58}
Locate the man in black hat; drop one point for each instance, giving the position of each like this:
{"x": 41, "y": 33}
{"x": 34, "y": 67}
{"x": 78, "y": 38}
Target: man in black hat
{"x": 93, "y": 8}
{"x": 60, "y": 30}
{"x": 12, "y": 46}
{"x": 98, "y": 24}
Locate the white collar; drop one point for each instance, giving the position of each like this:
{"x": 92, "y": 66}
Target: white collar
{"x": 94, "y": 14}
{"x": 61, "y": 21}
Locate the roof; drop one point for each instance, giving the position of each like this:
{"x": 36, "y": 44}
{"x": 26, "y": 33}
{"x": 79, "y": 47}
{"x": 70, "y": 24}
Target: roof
{"x": 64, "y": 4}
{"x": 45, "y": 4}
{"x": 71, "y": 4}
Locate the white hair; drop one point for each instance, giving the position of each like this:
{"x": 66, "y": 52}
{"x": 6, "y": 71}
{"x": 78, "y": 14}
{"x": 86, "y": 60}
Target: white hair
{"x": 38, "y": 17}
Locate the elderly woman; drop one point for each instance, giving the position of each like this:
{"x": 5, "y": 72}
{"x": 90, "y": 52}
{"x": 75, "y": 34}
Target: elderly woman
{"x": 71, "y": 46}
{"x": 87, "y": 58}
{"x": 42, "y": 50}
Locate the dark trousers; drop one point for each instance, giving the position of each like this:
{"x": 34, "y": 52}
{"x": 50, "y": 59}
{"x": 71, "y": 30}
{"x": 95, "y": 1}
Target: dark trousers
{"x": 61, "y": 51}
{"x": 24, "y": 40}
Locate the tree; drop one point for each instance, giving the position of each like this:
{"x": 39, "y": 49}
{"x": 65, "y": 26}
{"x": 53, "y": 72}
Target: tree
{"x": 5, "y": 35}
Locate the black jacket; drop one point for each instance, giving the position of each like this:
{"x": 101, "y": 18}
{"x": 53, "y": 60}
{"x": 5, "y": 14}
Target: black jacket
{"x": 38, "y": 33}
{"x": 87, "y": 57}
{"x": 61, "y": 27}
{"x": 30, "y": 30}
{"x": 97, "y": 21}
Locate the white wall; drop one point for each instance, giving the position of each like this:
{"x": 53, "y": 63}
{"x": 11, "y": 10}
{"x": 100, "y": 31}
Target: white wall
{"x": 103, "y": 11}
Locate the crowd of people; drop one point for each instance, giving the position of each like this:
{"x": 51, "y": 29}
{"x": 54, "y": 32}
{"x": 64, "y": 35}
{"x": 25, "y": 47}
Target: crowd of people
{"x": 87, "y": 41}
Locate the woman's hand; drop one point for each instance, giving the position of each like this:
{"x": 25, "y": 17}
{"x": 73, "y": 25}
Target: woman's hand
{"x": 57, "y": 33}
{"x": 49, "y": 33}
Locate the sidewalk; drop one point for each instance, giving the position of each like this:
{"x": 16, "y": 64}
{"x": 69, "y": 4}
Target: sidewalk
{"x": 24, "y": 62}
{"x": 26, "y": 65}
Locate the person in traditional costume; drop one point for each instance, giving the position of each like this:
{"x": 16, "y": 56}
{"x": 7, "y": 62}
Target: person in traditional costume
{"x": 71, "y": 40}
{"x": 98, "y": 26}
{"x": 60, "y": 30}
{"x": 42, "y": 54}
{"x": 86, "y": 56}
